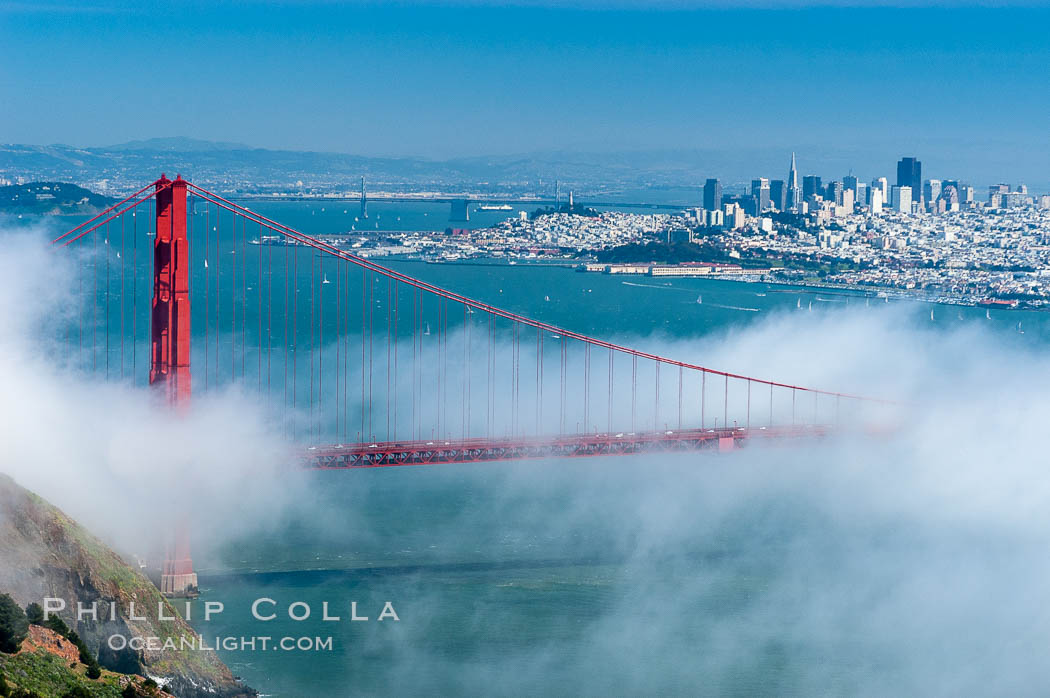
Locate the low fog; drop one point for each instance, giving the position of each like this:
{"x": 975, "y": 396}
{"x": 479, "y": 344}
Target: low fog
{"x": 910, "y": 560}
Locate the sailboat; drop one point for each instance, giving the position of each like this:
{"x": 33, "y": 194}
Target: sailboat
{"x": 931, "y": 314}
{"x": 205, "y": 263}
{"x": 811, "y": 306}
{"x": 700, "y": 300}
{"x": 798, "y": 303}
{"x": 427, "y": 332}
{"x": 1019, "y": 330}
{"x": 326, "y": 281}
{"x": 867, "y": 302}
{"x": 987, "y": 314}
{"x": 547, "y": 299}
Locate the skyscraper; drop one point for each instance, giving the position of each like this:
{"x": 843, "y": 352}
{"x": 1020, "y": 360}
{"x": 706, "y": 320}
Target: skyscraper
{"x": 760, "y": 190}
{"x": 811, "y": 186}
{"x": 713, "y": 195}
{"x": 794, "y": 194}
{"x": 883, "y": 186}
{"x": 931, "y": 189}
{"x": 833, "y": 192}
{"x": 901, "y": 199}
{"x": 778, "y": 194}
{"x": 909, "y": 174}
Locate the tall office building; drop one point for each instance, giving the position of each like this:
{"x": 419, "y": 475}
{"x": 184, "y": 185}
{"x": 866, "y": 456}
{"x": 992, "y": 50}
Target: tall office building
{"x": 778, "y": 194}
{"x": 901, "y": 199}
{"x": 760, "y": 192}
{"x": 876, "y": 201}
{"x": 794, "y": 194}
{"x": 883, "y": 186}
{"x": 931, "y": 189}
{"x": 833, "y": 193}
{"x": 811, "y": 186}
{"x": 860, "y": 195}
{"x": 713, "y": 195}
{"x": 909, "y": 174}
{"x": 850, "y": 182}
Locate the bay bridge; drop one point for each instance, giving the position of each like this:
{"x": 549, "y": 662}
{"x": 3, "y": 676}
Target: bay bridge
{"x": 370, "y": 367}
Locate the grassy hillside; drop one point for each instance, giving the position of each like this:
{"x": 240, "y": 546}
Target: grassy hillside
{"x": 44, "y": 553}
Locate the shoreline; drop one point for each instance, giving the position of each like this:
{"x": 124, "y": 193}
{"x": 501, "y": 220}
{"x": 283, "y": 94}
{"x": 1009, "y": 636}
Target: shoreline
{"x": 889, "y": 292}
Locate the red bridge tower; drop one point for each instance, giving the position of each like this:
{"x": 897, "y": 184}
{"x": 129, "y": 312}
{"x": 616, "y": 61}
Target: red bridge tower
{"x": 170, "y": 349}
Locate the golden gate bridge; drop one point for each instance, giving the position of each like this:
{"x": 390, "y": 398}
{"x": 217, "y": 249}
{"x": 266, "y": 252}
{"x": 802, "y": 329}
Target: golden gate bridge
{"x": 376, "y": 368}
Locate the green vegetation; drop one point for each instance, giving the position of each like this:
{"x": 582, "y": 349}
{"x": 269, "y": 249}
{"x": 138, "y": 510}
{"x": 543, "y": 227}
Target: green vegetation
{"x": 13, "y": 625}
{"x": 41, "y": 673}
{"x": 35, "y": 614}
{"x": 43, "y": 198}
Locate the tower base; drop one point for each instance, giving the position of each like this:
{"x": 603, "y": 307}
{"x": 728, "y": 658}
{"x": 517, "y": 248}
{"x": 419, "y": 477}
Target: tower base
{"x": 179, "y": 586}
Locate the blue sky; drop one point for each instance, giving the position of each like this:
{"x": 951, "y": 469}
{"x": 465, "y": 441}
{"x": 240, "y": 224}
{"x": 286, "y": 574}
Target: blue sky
{"x": 965, "y": 88}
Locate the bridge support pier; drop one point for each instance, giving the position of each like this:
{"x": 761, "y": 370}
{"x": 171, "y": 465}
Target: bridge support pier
{"x": 460, "y": 210}
{"x": 170, "y": 351}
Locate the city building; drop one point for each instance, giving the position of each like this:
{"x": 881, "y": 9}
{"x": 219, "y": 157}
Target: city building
{"x": 833, "y": 193}
{"x": 901, "y": 199}
{"x": 761, "y": 192}
{"x": 882, "y": 184}
{"x": 713, "y": 195}
{"x": 778, "y": 194}
{"x": 876, "y": 201}
{"x": 794, "y": 193}
{"x": 909, "y": 174}
{"x": 931, "y": 189}
{"x": 811, "y": 186}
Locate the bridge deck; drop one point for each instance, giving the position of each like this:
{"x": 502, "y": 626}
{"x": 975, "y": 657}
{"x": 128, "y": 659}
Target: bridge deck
{"x": 433, "y": 452}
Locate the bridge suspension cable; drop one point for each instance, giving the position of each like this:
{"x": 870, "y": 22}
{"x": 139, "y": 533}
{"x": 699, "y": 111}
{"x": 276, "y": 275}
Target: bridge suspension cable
{"x": 303, "y": 321}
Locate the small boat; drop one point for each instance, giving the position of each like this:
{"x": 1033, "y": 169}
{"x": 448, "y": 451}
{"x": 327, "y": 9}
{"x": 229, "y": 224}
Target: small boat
{"x": 987, "y": 314}
{"x": 427, "y": 332}
{"x": 205, "y": 263}
{"x": 811, "y": 306}
{"x": 547, "y": 299}
{"x": 931, "y": 314}
{"x": 761, "y": 295}
{"x": 798, "y": 303}
{"x": 326, "y": 281}
{"x": 700, "y": 300}
{"x": 1019, "y": 330}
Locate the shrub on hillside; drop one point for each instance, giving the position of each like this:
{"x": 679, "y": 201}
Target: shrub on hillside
{"x": 13, "y": 625}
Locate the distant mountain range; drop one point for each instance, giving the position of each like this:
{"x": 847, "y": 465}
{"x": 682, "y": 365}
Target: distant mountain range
{"x": 660, "y": 176}
{"x": 235, "y": 166}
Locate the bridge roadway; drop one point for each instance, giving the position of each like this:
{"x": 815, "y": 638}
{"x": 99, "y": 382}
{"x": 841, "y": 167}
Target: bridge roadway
{"x": 434, "y": 452}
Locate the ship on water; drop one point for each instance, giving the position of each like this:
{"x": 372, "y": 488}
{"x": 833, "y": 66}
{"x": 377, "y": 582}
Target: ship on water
{"x": 495, "y": 207}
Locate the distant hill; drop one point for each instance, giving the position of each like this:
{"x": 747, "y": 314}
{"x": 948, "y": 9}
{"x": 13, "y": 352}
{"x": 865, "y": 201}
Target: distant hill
{"x": 239, "y": 167}
{"x": 50, "y": 198}
{"x": 176, "y": 143}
